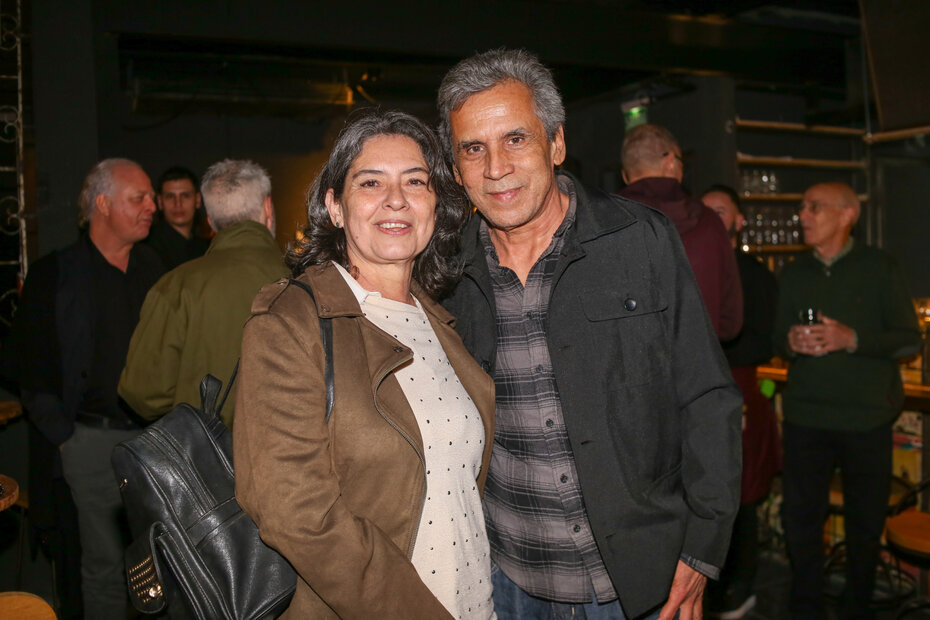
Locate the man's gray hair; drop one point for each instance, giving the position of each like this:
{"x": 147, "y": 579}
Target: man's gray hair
{"x": 643, "y": 149}
{"x": 488, "y": 69}
{"x": 98, "y": 181}
{"x": 234, "y": 190}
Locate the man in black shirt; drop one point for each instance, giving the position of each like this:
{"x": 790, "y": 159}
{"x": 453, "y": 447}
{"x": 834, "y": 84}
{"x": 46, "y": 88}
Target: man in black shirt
{"x": 174, "y": 234}
{"x": 70, "y": 336}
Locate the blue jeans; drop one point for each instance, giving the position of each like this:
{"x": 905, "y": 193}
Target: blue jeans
{"x": 512, "y": 603}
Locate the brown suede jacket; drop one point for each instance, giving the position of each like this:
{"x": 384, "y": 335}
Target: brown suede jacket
{"x": 341, "y": 501}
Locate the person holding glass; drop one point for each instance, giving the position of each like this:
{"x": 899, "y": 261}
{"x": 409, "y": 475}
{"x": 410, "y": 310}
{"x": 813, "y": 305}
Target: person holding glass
{"x": 378, "y": 508}
{"x": 844, "y": 317}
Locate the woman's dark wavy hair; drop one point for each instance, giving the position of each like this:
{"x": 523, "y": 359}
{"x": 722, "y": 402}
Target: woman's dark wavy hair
{"x": 436, "y": 269}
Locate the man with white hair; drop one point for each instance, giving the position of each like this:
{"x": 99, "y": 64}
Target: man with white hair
{"x": 191, "y": 322}
{"x": 69, "y": 339}
{"x": 844, "y": 392}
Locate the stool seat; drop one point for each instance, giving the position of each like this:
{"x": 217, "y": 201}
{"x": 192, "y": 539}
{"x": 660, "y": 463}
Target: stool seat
{"x": 25, "y": 606}
{"x": 910, "y": 531}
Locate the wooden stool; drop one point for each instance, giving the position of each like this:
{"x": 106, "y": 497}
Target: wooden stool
{"x": 24, "y": 606}
{"x": 908, "y": 534}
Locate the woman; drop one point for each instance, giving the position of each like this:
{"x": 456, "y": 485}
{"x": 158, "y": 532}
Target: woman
{"x": 378, "y": 509}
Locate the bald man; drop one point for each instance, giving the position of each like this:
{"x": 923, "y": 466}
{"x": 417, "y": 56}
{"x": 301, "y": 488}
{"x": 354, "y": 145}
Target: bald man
{"x": 653, "y": 169}
{"x": 844, "y": 392}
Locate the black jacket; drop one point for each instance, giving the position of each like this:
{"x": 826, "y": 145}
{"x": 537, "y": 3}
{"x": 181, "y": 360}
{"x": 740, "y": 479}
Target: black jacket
{"x": 651, "y": 409}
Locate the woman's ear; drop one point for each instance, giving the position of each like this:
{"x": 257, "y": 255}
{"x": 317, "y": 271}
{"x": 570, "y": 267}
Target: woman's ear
{"x": 334, "y": 208}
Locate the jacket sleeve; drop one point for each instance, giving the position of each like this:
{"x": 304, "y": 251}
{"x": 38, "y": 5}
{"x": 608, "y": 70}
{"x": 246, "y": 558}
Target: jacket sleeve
{"x": 150, "y": 378}
{"x": 731, "y": 294}
{"x": 286, "y": 482}
{"x": 710, "y": 407}
{"x": 32, "y": 355}
{"x": 899, "y": 335}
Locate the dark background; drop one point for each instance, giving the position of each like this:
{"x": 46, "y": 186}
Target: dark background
{"x": 190, "y": 82}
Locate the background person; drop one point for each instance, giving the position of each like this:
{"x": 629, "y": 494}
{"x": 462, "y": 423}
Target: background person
{"x": 191, "y": 322}
{"x": 72, "y": 329}
{"x": 653, "y": 169}
{"x": 175, "y": 235}
{"x": 378, "y": 510}
{"x": 732, "y": 596}
{"x": 843, "y": 394}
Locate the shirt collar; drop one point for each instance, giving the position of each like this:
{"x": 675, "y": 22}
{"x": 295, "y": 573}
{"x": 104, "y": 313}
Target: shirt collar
{"x": 565, "y": 185}
{"x": 843, "y": 252}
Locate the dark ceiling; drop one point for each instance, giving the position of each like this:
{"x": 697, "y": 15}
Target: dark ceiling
{"x": 593, "y": 46}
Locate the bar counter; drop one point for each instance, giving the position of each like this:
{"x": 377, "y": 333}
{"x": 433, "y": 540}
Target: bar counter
{"x": 916, "y": 398}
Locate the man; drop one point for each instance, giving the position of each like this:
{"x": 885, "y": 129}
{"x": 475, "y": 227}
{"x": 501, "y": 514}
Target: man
{"x": 192, "y": 320}
{"x": 79, "y": 307}
{"x": 844, "y": 392}
{"x": 732, "y": 596}
{"x": 615, "y": 469}
{"x": 652, "y": 169}
{"x": 174, "y": 235}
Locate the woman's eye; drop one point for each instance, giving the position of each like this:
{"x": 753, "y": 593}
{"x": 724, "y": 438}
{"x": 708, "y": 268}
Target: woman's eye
{"x": 369, "y": 183}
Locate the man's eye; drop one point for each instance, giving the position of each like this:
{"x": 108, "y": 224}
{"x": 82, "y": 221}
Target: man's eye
{"x": 474, "y": 149}
{"x": 515, "y": 140}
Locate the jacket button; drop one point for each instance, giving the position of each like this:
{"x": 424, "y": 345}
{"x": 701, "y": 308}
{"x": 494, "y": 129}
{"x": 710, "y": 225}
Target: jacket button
{"x": 324, "y": 308}
{"x": 485, "y": 366}
{"x": 577, "y": 528}
{"x": 398, "y": 349}
{"x": 549, "y": 423}
{"x": 630, "y": 304}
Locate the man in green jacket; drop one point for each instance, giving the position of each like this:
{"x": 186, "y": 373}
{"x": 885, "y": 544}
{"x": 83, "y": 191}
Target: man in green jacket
{"x": 191, "y": 322}
{"x": 844, "y": 392}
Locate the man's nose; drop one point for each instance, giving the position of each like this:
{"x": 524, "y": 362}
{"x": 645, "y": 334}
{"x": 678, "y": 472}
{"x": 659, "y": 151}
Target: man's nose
{"x": 497, "y": 164}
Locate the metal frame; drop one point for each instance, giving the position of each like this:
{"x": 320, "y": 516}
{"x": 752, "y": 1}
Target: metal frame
{"x": 12, "y": 207}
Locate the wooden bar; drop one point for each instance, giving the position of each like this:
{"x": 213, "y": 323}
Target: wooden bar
{"x": 897, "y": 134}
{"x": 784, "y": 197}
{"x": 824, "y": 130}
{"x": 790, "y": 162}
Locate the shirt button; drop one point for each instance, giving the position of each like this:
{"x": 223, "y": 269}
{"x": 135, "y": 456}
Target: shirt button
{"x": 630, "y": 304}
{"x": 549, "y": 423}
{"x": 577, "y": 528}
{"x": 564, "y": 479}
{"x": 539, "y": 368}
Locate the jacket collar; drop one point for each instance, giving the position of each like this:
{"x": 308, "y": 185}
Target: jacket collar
{"x": 241, "y": 234}
{"x": 334, "y": 298}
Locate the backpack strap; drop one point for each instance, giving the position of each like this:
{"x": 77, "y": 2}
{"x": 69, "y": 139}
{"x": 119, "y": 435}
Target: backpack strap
{"x": 326, "y": 334}
{"x": 210, "y": 386}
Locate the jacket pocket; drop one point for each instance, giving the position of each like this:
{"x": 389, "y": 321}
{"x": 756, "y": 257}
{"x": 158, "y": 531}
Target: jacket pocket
{"x": 626, "y": 335}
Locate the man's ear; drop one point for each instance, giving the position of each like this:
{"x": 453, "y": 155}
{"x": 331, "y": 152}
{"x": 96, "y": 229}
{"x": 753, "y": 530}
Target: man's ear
{"x": 558, "y": 146}
{"x": 102, "y": 205}
{"x": 740, "y": 221}
{"x": 268, "y": 212}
